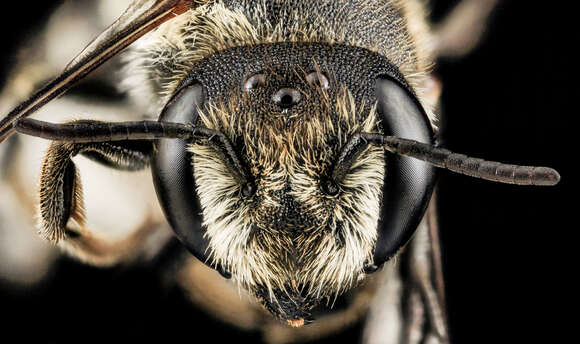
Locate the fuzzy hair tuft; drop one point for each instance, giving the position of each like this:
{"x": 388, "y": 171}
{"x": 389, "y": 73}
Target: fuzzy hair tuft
{"x": 326, "y": 252}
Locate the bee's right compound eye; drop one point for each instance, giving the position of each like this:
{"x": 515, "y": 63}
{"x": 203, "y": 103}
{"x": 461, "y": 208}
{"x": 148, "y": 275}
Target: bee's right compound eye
{"x": 254, "y": 81}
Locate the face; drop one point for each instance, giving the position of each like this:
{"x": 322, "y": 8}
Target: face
{"x": 300, "y": 235}
{"x": 297, "y": 240}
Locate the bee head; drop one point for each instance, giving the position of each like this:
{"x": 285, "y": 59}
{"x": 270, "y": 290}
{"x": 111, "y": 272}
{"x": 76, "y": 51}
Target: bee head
{"x": 290, "y": 234}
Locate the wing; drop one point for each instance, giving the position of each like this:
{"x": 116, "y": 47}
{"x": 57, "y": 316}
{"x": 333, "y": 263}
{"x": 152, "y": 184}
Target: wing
{"x": 140, "y": 17}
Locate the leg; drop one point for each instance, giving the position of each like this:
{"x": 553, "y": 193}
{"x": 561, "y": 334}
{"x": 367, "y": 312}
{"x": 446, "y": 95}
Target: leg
{"x": 460, "y": 32}
{"x": 426, "y": 299}
{"x": 410, "y": 296}
{"x": 61, "y": 205}
{"x": 219, "y": 297}
{"x": 25, "y": 258}
{"x": 384, "y": 321}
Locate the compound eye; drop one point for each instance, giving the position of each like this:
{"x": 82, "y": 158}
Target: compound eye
{"x": 173, "y": 173}
{"x": 318, "y": 79}
{"x": 408, "y": 182}
{"x": 254, "y": 81}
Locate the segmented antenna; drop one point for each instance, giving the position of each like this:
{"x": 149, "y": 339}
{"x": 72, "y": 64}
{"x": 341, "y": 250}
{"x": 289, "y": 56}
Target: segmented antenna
{"x": 460, "y": 163}
{"x": 95, "y": 131}
{"x": 84, "y": 131}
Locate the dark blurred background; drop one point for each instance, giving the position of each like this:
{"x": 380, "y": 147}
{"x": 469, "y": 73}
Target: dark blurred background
{"x": 507, "y": 254}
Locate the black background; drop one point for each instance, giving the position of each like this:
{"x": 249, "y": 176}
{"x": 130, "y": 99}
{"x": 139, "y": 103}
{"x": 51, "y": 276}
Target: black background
{"x": 507, "y": 249}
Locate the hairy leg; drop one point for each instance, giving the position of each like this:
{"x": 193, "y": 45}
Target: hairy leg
{"x": 62, "y": 216}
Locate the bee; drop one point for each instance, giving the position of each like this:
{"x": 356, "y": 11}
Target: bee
{"x": 294, "y": 149}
